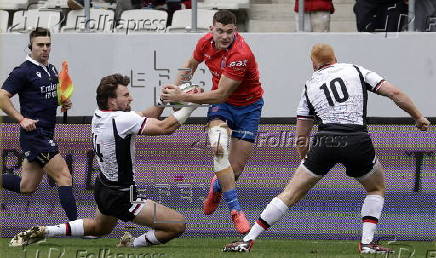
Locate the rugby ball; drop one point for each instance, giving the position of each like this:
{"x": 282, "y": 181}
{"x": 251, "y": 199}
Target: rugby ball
{"x": 187, "y": 88}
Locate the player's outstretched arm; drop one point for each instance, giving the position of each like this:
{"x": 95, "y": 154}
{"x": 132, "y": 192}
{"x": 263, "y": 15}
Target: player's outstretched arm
{"x": 169, "y": 125}
{"x": 302, "y": 134}
{"x": 152, "y": 112}
{"x": 405, "y": 103}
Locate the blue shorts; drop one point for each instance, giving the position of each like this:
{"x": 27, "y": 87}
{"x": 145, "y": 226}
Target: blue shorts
{"x": 243, "y": 120}
{"x": 38, "y": 141}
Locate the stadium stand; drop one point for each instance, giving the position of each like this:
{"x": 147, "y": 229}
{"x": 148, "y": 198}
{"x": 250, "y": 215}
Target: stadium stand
{"x": 104, "y": 5}
{"x": 182, "y": 20}
{"x": 101, "y": 20}
{"x": 143, "y": 20}
{"x": 14, "y": 5}
{"x": 24, "y": 21}
{"x": 56, "y": 4}
{"x": 224, "y": 4}
{"x": 259, "y": 15}
{"x": 4, "y": 19}
{"x": 278, "y": 16}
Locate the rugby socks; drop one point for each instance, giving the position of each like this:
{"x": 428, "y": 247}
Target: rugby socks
{"x": 231, "y": 198}
{"x": 75, "y": 228}
{"x": 72, "y": 228}
{"x": 68, "y": 202}
{"x": 58, "y": 230}
{"x": 368, "y": 231}
{"x": 273, "y": 212}
{"x": 371, "y": 212}
{"x": 146, "y": 239}
{"x": 217, "y": 186}
{"x": 11, "y": 182}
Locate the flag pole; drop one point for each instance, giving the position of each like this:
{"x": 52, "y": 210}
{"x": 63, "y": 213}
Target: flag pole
{"x": 65, "y": 117}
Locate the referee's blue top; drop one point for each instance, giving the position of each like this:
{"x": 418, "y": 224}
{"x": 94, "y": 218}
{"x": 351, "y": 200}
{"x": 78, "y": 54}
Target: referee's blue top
{"x": 35, "y": 85}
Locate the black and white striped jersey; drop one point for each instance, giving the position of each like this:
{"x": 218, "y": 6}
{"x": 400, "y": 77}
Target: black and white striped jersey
{"x": 337, "y": 95}
{"x": 113, "y": 136}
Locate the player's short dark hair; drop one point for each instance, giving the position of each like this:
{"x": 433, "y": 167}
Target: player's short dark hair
{"x": 108, "y": 87}
{"x": 224, "y": 17}
{"x": 39, "y": 32}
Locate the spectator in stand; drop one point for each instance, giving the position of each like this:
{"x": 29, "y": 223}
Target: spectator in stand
{"x": 425, "y": 14}
{"x": 121, "y": 5}
{"x": 316, "y": 15}
{"x": 187, "y": 4}
{"x": 381, "y": 15}
{"x": 170, "y": 6}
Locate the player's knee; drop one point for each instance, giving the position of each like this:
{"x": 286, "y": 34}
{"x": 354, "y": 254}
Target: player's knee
{"x": 219, "y": 139}
{"x": 179, "y": 229}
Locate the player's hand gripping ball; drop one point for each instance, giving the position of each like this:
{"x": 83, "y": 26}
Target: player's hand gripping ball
{"x": 188, "y": 88}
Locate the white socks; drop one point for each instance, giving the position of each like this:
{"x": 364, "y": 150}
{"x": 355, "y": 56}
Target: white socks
{"x": 72, "y": 228}
{"x": 368, "y": 230}
{"x": 146, "y": 239}
{"x": 52, "y": 231}
{"x": 371, "y": 212}
{"x": 273, "y": 212}
{"x": 255, "y": 231}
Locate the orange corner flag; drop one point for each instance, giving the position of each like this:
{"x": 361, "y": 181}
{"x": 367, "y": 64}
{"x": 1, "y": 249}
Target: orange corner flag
{"x": 65, "y": 86}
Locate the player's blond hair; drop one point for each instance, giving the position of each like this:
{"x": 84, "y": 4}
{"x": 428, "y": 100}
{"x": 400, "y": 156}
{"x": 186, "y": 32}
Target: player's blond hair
{"x": 323, "y": 54}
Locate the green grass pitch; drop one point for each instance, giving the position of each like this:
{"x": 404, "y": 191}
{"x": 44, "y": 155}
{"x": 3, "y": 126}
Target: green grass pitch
{"x": 208, "y": 247}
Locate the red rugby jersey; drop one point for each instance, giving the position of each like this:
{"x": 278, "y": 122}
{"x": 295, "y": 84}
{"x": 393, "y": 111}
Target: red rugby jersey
{"x": 236, "y": 62}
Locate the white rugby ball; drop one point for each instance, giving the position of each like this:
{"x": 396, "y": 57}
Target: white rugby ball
{"x": 188, "y": 88}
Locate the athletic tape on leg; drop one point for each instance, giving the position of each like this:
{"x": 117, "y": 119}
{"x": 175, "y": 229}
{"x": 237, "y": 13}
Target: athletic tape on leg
{"x": 219, "y": 139}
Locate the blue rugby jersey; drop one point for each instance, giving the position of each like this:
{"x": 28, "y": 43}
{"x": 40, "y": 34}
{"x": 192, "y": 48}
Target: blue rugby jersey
{"x": 35, "y": 85}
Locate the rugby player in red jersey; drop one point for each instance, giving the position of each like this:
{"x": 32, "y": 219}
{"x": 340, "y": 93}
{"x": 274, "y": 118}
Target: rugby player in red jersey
{"x": 236, "y": 105}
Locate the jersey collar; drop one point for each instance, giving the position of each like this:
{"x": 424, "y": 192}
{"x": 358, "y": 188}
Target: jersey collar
{"x": 325, "y": 66}
{"x": 33, "y": 61}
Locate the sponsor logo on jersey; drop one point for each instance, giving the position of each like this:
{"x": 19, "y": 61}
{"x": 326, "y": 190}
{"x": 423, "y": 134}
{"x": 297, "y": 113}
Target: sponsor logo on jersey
{"x": 38, "y": 74}
{"x": 238, "y": 63}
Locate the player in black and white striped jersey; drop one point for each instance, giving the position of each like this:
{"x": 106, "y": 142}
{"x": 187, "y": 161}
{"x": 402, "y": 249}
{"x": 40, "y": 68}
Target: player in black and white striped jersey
{"x": 336, "y": 94}
{"x": 114, "y": 127}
